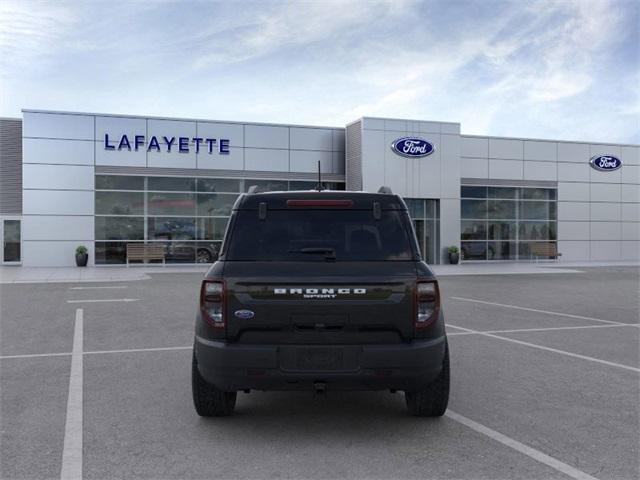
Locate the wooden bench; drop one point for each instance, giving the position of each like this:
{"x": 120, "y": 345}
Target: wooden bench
{"x": 545, "y": 250}
{"x": 144, "y": 252}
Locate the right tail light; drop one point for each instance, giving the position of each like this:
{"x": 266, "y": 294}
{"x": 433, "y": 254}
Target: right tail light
{"x": 212, "y": 303}
{"x": 427, "y": 303}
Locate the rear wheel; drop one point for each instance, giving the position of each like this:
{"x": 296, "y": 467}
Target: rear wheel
{"x": 208, "y": 400}
{"x": 433, "y": 399}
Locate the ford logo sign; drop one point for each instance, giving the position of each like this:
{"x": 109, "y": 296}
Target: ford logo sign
{"x": 244, "y": 314}
{"x": 412, "y": 147}
{"x": 605, "y": 163}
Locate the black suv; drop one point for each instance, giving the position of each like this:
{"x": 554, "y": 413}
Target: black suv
{"x": 320, "y": 290}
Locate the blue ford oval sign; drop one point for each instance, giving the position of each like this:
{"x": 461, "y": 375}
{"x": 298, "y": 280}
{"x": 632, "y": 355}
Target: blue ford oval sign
{"x": 244, "y": 314}
{"x": 605, "y": 163}
{"x": 412, "y": 147}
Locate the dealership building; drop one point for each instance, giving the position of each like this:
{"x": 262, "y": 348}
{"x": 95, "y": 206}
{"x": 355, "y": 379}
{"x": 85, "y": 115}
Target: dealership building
{"x": 110, "y": 181}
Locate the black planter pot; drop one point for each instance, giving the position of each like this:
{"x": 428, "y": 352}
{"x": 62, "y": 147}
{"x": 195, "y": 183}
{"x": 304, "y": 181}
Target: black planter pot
{"x": 454, "y": 258}
{"x": 82, "y": 259}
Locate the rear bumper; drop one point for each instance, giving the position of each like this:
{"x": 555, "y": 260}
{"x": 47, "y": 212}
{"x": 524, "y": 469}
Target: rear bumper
{"x": 232, "y": 367}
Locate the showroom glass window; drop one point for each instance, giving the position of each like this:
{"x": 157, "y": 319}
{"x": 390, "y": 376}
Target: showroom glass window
{"x": 187, "y": 216}
{"x": 425, "y": 215}
{"x": 501, "y": 223}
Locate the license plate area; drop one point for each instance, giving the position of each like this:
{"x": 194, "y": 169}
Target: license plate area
{"x": 318, "y": 358}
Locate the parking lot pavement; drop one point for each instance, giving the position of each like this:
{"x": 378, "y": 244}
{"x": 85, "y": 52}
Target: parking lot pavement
{"x": 558, "y": 398}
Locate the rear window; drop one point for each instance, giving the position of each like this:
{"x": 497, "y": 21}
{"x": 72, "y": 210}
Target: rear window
{"x": 320, "y": 235}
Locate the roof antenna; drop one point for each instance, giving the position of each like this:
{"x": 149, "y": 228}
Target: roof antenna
{"x": 319, "y": 187}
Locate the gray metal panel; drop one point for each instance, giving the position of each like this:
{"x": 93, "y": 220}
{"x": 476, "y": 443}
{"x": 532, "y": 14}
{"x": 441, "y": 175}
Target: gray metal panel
{"x": 353, "y": 158}
{"x": 10, "y": 166}
{"x": 185, "y": 172}
{"x": 510, "y": 183}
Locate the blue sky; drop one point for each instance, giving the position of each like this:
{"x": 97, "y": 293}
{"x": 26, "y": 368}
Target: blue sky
{"x": 548, "y": 69}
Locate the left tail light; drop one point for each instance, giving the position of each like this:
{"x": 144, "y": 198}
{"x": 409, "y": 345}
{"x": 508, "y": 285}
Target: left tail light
{"x": 212, "y": 303}
{"x": 427, "y": 302}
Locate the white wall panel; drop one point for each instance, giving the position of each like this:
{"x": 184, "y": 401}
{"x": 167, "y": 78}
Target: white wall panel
{"x": 573, "y": 231}
{"x": 630, "y": 212}
{"x": 540, "y": 171}
{"x": 266, "y": 159}
{"x": 311, "y": 139}
{"x": 372, "y": 123}
{"x": 175, "y": 159}
{"x": 574, "y": 172}
{"x": 630, "y": 174}
{"x": 430, "y": 171}
{"x": 630, "y": 155}
{"x": 115, "y": 127}
{"x": 307, "y": 161}
{"x": 57, "y": 202}
{"x": 604, "y": 177}
{"x": 506, "y": 169}
{"x": 573, "y": 250}
{"x": 231, "y": 131}
{"x": 450, "y": 128}
{"x": 599, "y": 149}
{"x": 546, "y": 151}
{"x": 573, "y": 152}
{"x": 605, "y": 230}
{"x": 373, "y": 156}
{"x": 576, "y": 211}
{"x": 51, "y": 125}
{"x": 449, "y": 226}
{"x": 398, "y": 125}
{"x": 43, "y": 227}
{"x": 629, "y": 250}
{"x": 474, "y": 167}
{"x": 450, "y": 168}
{"x": 630, "y": 230}
{"x": 122, "y": 158}
{"x": 605, "y": 212}
{"x": 630, "y": 193}
{"x": 603, "y": 192}
{"x": 338, "y": 142}
{"x": 234, "y": 160}
{"x": 603, "y": 251}
{"x": 263, "y": 136}
{"x": 57, "y": 177}
{"x": 506, "y": 149}
{"x": 170, "y": 128}
{"x": 61, "y": 152}
{"x": 474, "y": 147}
{"x": 52, "y": 253}
{"x": 338, "y": 160}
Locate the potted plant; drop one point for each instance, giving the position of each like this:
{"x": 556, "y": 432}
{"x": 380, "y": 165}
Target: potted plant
{"x": 82, "y": 256}
{"x": 454, "y": 254}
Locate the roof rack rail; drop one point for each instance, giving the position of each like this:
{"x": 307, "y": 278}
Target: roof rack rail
{"x": 385, "y": 190}
{"x": 253, "y": 189}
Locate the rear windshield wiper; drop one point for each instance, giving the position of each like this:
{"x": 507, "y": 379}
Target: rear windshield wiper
{"x": 330, "y": 253}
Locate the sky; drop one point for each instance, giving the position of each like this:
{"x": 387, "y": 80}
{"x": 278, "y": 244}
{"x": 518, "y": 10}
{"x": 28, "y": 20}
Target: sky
{"x": 537, "y": 69}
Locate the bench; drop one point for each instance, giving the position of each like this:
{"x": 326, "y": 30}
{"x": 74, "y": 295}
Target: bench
{"x": 545, "y": 250}
{"x": 145, "y": 253}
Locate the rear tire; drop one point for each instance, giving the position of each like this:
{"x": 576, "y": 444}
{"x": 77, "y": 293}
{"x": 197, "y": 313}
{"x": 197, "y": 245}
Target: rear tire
{"x": 433, "y": 399}
{"x": 207, "y": 399}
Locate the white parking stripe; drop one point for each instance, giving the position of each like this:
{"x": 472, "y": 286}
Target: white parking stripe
{"x": 135, "y": 350}
{"x": 35, "y": 355}
{"x": 105, "y": 300}
{"x": 547, "y": 329}
{"x": 549, "y": 349}
{"x": 521, "y": 447}
{"x": 72, "y": 449}
{"x": 547, "y": 312}
{"x": 97, "y": 288}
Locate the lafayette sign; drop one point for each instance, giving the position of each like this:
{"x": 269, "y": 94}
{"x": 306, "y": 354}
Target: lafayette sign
{"x": 158, "y": 144}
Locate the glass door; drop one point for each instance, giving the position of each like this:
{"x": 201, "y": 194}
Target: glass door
{"x": 11, "y": 241}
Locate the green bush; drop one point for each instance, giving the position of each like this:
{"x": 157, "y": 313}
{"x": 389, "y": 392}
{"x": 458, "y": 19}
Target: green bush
{"x": 81, "y": 250}
{"x": 453, "y": 249}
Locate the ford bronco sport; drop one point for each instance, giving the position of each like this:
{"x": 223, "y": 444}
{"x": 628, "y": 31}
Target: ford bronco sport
{"x": 320, "y": 290}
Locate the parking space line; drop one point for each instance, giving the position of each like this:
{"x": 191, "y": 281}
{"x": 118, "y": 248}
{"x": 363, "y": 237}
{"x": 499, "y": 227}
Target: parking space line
{"x": 111, "y": 287}
{"x": 547, "y": 312}
{"x": 35, "y": 355}
{"x": 518, "y": 330}
{"x": 136, "y": 350}
{"x": 105, "y": 300}
{"x": 72, "y": 449}
{"x": 520, "y": 447}
{"x": 554, "y": 350}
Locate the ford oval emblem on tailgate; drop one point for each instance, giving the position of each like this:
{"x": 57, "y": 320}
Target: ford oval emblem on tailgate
{"x": 244, "y": 314}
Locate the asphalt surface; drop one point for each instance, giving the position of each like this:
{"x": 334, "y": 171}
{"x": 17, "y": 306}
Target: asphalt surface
{"x": 571, "y": 394}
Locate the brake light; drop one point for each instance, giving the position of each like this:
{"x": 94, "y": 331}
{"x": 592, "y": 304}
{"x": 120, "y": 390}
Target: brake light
{"x": 212, "y": 302}
{"x": 319, "y": 203}
{"x": 427, "y": 303}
